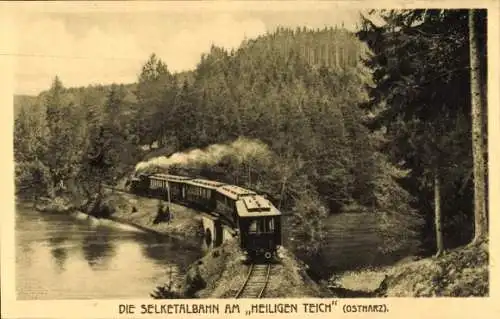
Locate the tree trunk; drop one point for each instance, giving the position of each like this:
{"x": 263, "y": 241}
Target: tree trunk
{"x": 480, "y": 221}
{"x": 282, "y": 192}
{"x": 249, "y": 176}
{"x": 337, "y": 58}
{"x": 437, "y": 215}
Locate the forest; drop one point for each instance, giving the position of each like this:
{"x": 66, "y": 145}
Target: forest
{"x": 389, "y": 120}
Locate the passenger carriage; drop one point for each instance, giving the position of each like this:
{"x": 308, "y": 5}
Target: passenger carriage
{"x": 168, "y": 187}
{"x": 158, "y": 186}
{"x": 226, "y": 197}
{"x": 201, "y": 192}
{"x": 177, "y": 186}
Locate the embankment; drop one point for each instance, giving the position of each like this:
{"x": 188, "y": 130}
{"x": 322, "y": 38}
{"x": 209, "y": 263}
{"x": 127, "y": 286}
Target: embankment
{"x": 221, "y": 273}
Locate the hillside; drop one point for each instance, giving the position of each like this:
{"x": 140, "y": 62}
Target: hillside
{"x": 99, "y": 92}
{"x": 21, "y": 101}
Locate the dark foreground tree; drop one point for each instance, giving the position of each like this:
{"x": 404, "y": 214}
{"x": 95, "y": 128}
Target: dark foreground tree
{"x": 420, "y": 56}
{"x": 478, "y": 147}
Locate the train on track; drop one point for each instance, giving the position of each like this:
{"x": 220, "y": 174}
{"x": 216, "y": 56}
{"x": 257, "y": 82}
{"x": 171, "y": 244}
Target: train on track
{"x": 256, "y": 219}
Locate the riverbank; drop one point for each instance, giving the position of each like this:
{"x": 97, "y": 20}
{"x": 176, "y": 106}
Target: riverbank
{"x": 185, "y": 222}
{"x": 131, "y": 210}
{"x": 461, "y": 272}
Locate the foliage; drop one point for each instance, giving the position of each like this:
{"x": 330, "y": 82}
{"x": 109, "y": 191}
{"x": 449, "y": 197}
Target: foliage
{"x": 307, "y": 231}
{"x": 300, "y": 92}
{"x": 72, "y": 141}
{"x": 33, "y": 178}
{"x": 419, "y": 58}
{"x": 166, "y": 292}
{"x": 61, "y": 123}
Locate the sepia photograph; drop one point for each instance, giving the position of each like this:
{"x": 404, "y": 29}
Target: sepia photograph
{"x": 221, "y": 152}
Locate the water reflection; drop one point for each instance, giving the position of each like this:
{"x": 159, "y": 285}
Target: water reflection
{"x": 98, "y": 248}
{"x": 170, "y": 250}
{"x": 60, "y": 257}
{"x": 158, "y": 251}
{"x": 58, "y": 251}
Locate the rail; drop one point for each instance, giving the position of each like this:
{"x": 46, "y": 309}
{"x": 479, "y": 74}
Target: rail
{"x": 246, "y": 281}
{"x": 256, "y": 282}
{"x": 266, "y": 282}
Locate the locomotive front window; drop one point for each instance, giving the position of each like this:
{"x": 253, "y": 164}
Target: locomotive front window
{"x": 270, "y": 225}
{"x": 253, "y": 229}
{"x": 261, "y": 225}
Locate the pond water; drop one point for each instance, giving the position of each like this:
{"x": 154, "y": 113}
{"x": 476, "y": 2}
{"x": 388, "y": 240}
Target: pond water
{"x": 64, "y": 257}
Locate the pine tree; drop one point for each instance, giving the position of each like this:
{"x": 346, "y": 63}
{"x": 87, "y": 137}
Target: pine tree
{"x": 154, "y": 99}
{"x": 63, "y": 159}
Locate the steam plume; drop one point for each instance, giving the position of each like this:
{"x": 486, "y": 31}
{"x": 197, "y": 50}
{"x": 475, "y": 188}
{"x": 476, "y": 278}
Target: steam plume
{"x": 241, "y": 149}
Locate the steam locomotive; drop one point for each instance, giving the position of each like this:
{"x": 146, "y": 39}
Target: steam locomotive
{"x": 256, "y": 219}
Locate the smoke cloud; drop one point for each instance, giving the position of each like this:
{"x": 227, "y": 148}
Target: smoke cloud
{"x": 241, "y": 150}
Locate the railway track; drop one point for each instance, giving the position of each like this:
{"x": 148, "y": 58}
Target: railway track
{"x": 256, "y": 281}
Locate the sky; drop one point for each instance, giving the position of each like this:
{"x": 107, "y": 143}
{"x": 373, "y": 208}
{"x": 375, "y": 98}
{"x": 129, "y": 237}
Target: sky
{"x": 90, "y": 44}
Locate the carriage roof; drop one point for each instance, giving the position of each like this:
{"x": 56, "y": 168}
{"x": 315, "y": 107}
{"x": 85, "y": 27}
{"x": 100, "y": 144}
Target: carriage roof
{"x": 234, "y": 192}
{"x": 204, "y": 183}
{"x": 171, "y": 178}
{"x": 256, "y": 206}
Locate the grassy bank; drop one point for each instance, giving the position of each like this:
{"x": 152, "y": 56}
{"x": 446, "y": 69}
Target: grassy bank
{"x": 142, "y": 211}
